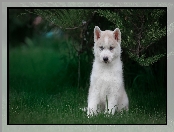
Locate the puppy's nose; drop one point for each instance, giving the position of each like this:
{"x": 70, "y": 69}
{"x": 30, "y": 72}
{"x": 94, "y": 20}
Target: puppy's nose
{"x": 105, "y": 59}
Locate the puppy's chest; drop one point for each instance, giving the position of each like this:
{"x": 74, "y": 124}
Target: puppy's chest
{"x": 107, "y": 74}
{"x": 107, "y": 84}
{"x": 107, "y": 80}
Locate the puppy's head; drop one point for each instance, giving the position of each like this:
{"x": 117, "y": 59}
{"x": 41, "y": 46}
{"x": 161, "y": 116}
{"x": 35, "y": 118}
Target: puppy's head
{"x": 107, "y": 44}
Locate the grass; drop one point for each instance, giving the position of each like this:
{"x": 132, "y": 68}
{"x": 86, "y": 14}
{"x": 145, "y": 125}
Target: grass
{"x": 26, "y": 108}
{"x": 42, "y": 90}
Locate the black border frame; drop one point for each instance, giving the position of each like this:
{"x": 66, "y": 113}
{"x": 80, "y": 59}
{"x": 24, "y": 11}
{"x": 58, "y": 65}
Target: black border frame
{"x": 73, "y": 8}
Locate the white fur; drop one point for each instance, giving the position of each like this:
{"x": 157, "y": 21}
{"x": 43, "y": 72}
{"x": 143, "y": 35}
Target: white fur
{"x": 106, "y": 82}
{"x": 106, "y": 40}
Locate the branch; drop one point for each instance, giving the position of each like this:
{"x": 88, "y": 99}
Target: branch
{"x": 75, "y": 48}
{"x": 74, "y": 27}
{"x": 83, "y": 24}
{"x": 140, "y": 35}
{"x": 132, "y": 50}
{"x": 146, "y": 47}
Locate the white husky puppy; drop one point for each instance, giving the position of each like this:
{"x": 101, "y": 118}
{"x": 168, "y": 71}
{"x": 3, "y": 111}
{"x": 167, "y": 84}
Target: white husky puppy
{"x": 106, "y": 90}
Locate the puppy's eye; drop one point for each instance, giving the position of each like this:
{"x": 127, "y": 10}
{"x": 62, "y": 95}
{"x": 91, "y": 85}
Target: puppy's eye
{"x": 101, "y": 47}
{"x": 111, "y": 48}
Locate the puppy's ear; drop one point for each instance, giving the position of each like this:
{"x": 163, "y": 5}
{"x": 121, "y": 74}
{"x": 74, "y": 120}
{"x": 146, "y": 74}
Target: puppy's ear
{"x": 117, "y": 35}
{"x": 97, "y": 33}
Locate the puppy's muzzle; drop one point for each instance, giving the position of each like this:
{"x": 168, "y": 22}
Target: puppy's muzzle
{"x": 105, "y": 59}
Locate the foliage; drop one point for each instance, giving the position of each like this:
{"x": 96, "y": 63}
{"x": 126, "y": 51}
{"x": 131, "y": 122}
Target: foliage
{"x": 64, "y": 18}
{"x": 141, "y": 28}
{"x": 73, "y": 21}
{"x": 145, "y": 61}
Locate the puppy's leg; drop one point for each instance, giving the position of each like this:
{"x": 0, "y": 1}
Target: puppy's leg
{"x": 123, "y": 103}
{"x": 111, "y": 105}
{"x": 92, "y": 108}
{"x": 93, "y": 101}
